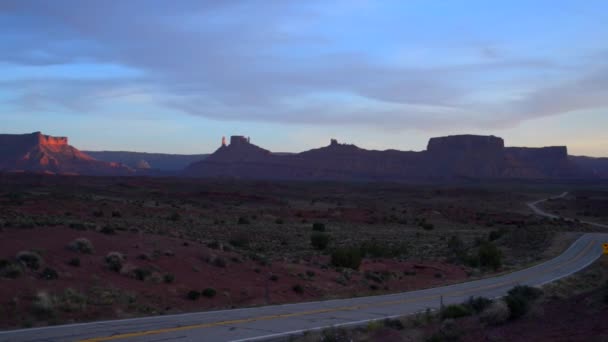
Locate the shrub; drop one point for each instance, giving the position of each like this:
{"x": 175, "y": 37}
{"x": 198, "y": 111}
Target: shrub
{"x": 219, "y": 262}
{"x": 81, "y": 245}
{"x": 490, "y": 256}
{"x": 74, "y": 262}
{"x": 318, "y": 227}
{"x": 348, "y": 257}
{"x": 174, "y": 217}
{"x": 30, "y": 259}
{"x": 497, "y": 313}
{"x": 520, "y": 298}
{"x": 141, "y": 273}
{"x": 209, "y": 292}
{"x": 394, "y": 324}
{"x": 10, "y": 270}
{"x": 116, "y": 214}
{"x": 279, "y": 221}
{"x": 243, "y": 220}
{"x": 239, "y": 240}
{"x": 194, "y": 295}
{"x": 72, "y": 301}
{"x": 274, "y": 277}
{"x": 43, "y": 305}
{"x": 319, "y": 240}
{"x": 478, "y": 304}
{"x": 455, "y": 245}
{"x": 214, "y": 244}
{"x": 108, "y": 230}
{"x": 49, "y": 274}
{"x": 455, "y": 311}
{"x": 98, "y": 213}
{"x": 298, "y": 289}
{"x": 168, "y": 278}
{"x": 114, "y": 260}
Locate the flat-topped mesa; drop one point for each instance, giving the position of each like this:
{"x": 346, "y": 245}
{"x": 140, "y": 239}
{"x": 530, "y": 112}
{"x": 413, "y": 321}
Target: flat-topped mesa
{"x": 32, "y": 139}
{"x": 50, "y": 140}
{"x": 237, "y": 140}
{"x": 466, "y": 144}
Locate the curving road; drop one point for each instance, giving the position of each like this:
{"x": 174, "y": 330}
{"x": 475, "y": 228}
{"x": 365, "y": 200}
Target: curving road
{"x": 280, "y": 321}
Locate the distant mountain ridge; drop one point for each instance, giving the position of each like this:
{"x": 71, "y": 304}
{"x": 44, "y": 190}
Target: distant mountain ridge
{"x": 447, "y": 158}
{"x": 159, "y": 161}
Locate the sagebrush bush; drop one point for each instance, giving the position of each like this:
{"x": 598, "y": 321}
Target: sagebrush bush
{"x": 10, "y": 269}
{"x": 318, "y": 227}
{"x": 30, "y": 259}
{"x": 520, "y": 298}
{"x": 319, "y": 240}
{"x": 114, "y": 260}
{"x": 209, "y": 292}
{"x": 298, "y": 289}
{"x": 81, "y": 245}
{"x": 478, "y": 304}
{"x": 490, "y": 256}
{"x": 455, "y": 311}
{"x": 194, "y": 295}
{"x": 497, "y": 313}
{"x": 49, "y": 274}
{"x": 348, "y": 257}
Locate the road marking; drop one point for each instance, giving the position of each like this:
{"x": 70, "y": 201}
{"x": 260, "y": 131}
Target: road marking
{"x": 344, "y": 308}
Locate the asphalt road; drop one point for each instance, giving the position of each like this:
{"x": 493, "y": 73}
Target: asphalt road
{"x": 280, "y": 321}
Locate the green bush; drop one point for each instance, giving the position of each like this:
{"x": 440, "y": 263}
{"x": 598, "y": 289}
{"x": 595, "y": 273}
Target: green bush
{"x": 74, "y": 262}
{"x": 520, "y": 298}
{"x": 478, "y": 304}
{"x": 455, "y": 311}
{"x": 209, "y": 292}
{"x": 168, "y": 278}
{"x": 10, "y": 270}
{"x": 243, "y": 220}
{"x": 348, "y": 257}
{"x": 30, "y": 259}
{"x": 193, "y": 295}
{"x": 298, "y": 289}
{"x": 141, "y": 273}
{"x": 49, "y": 274}
{"x": 81, "y": 245}
{"x": 239, "y": 240}
{"x": 114, "y": 261}
{"x": 319, "y": 240}
{"x": 489, "y": 256}
{"x": 318, "y": 227}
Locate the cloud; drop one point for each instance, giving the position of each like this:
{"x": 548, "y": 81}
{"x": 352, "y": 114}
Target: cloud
{"x": 265, "y": 61}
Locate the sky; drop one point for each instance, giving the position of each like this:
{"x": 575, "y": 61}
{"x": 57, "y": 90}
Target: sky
{"x": 176, "y": 76}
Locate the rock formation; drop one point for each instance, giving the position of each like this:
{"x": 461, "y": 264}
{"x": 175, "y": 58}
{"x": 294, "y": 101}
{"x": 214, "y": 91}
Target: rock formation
{"x": 446, "y": 158}
{"x": 37, "y": 152}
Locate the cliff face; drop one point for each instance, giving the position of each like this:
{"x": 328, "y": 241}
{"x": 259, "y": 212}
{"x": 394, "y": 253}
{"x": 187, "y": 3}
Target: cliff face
{"x": 42, "y": 153}
{"x": 472, "y": 156}
{"x": 447, "y": 158}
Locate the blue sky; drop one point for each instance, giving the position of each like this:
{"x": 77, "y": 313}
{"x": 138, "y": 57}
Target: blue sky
{"x": 160, "y": 76}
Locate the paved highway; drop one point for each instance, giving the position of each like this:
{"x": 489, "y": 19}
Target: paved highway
{"x": 280, "y": 321}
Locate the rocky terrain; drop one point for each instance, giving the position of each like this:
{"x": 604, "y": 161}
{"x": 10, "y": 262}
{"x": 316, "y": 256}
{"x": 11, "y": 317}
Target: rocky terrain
{"x": 36, "y": 152}
{"x": 446, "y": 158}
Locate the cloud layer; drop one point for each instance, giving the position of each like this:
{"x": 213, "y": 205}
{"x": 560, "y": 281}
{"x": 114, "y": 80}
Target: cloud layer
{"x": 284, "y": 62}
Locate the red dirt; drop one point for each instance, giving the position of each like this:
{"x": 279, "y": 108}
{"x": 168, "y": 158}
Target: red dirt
{"x": 243, "y": 282}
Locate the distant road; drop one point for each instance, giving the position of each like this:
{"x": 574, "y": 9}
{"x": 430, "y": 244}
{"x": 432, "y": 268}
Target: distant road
{"x": 280, "y": 321}
{"x": 538, "y": 211}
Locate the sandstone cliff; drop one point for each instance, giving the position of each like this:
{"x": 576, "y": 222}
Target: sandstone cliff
{"x": 37, "y": 152}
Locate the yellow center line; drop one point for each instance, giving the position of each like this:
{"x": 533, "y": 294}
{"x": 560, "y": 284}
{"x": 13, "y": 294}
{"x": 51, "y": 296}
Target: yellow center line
{"x": 344, "y": 308}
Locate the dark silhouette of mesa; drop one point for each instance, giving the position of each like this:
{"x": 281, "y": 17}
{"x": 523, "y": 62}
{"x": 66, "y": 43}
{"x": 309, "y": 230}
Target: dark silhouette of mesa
{"x": 446, "y": 158}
